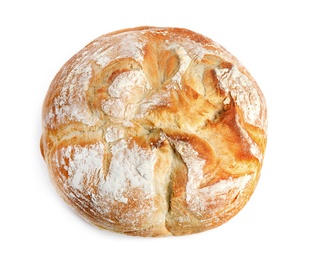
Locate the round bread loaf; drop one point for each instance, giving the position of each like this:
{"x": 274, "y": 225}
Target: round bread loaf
{"x": 154, "y": 132}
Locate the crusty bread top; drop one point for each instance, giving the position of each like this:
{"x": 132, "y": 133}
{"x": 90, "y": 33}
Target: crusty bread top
{"x": 154, "y": 131}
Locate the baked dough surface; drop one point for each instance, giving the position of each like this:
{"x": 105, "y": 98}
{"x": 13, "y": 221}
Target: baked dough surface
{"x": 154, "y": 132}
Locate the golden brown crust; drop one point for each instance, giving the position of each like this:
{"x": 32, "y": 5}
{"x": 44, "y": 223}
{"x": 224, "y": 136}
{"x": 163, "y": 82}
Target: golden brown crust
{"x": 153, "y": 132}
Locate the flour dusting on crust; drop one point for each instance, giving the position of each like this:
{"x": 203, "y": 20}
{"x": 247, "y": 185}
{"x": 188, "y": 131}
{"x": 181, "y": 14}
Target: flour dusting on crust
{"x": 120, "y": 46}
{"x": 82, "y": 164}
{"x": 71, "y": 103}
{"x": 242, "y": 90}
{"x": 125, "y": 93}
{"x": 130, "y": 168}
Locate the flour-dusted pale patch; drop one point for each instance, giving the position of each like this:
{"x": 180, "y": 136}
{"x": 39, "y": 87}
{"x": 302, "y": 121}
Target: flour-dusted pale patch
{"x": 82, "y": 163}
{"x": 119, "y": 46}
{"x": 71, "y": 104}
{"x": 241, "y": 88}
{"x": 113, "y": 134}
{"x": 124, "y": 94}
{"x": 125, "y": 171}
{"x": 154, "y": 132}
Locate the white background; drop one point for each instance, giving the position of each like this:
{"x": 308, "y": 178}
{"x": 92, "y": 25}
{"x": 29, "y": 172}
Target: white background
{"x": 271, "y": 38}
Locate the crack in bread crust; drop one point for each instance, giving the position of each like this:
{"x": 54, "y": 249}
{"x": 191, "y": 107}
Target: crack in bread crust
{"x": 153, "y": 132}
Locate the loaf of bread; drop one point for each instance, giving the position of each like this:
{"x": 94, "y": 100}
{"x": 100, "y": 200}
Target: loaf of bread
{"x": 154, "y": 132}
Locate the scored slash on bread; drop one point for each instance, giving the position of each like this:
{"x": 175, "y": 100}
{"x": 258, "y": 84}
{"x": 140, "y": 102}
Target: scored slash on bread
{"x": 154, "y": 132}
